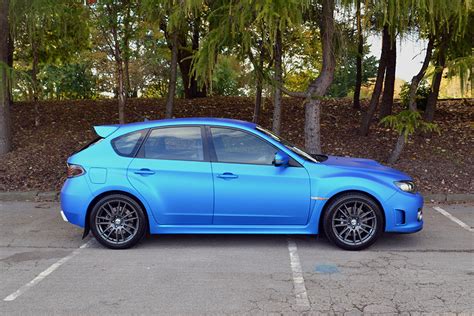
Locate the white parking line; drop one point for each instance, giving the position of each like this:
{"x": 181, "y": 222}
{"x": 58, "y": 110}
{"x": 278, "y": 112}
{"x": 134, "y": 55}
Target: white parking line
{"x": 454, "y": 219}
{"x": 298, "y": 280}
{"x": 44, "y": 274}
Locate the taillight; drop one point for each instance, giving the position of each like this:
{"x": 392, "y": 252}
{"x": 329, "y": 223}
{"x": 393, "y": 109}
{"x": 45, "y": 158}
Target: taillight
{"x": 74, "y": 171}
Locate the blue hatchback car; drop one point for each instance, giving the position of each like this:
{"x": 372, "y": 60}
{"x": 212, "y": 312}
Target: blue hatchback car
{"x": 214, "y": 176}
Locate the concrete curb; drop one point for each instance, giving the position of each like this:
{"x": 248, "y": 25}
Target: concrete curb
{"x": 52, "y": 196}
{"x": 33, "y": 196}
{"x": 449, "y": 197}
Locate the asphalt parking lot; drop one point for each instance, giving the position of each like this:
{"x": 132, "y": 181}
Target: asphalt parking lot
{"x": 46, "y": 268}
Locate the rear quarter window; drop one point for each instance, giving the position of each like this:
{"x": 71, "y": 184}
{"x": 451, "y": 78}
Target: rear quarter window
{"x": 127, "y": 145}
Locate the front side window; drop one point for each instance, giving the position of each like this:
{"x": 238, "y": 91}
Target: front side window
{"x": 174, "y": 143}
{"x": 127, "y": 145}
{"x": 234, "y": 146}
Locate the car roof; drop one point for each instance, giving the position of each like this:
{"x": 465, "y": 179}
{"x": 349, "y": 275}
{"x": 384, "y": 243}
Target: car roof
{"x": 186, "y": 121}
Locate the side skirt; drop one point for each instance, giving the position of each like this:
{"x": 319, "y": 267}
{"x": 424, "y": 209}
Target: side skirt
{"x": 228, "y": 229}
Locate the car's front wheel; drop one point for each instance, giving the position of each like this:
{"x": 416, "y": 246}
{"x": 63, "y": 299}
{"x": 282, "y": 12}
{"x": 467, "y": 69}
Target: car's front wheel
{"x": 353, "y": 221}
{"x": 117, "y": 221}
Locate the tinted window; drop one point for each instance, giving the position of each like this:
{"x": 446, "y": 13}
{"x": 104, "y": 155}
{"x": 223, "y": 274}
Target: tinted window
{"x": 240, "y": 147}
{"x": 127, "y": 145}
{"x": 174, "y": 143}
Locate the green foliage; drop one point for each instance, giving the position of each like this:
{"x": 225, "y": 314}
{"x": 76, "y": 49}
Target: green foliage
{"x": 421, "y": 96}
{"x": 239, "y": 25}
{"x": 59, "y": 29}
{"x": 407, "y": 122}
{"x": 225, "y": 79}
{"x": 70, "y": 81}
{"x": 345, "y": 75}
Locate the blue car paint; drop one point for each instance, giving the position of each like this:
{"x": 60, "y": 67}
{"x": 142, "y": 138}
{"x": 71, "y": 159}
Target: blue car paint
{"x": 190, "y": 197}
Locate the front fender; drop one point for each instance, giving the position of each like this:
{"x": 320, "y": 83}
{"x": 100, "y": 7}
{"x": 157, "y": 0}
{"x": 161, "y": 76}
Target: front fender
{"x": 325, "y": 188}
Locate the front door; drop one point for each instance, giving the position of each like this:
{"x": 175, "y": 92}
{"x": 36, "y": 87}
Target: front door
{"x": 249, "y": 189}
{"x": 173, "y": 174}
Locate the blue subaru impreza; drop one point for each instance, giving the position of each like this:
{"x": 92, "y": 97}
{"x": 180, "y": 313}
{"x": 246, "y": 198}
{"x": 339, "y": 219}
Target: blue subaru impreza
{"x": 213, "y": 176}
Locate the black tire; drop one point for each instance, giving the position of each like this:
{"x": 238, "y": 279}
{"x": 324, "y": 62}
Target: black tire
{"x": 353, "y": 221}
{"x": 117, "y": 221}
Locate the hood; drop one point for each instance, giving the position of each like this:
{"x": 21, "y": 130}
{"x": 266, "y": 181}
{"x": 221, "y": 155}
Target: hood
{"x": 364, "y": 165}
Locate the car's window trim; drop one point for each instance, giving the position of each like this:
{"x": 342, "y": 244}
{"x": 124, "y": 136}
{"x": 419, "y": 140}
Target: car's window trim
{"x": 213, "y": 154}
{"x": 205, "y": 147}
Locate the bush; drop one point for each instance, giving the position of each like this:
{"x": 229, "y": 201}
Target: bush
{"x": 421, "y": 95}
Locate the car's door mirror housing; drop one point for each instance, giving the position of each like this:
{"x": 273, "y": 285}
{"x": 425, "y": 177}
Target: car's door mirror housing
{"x": 281, "y": 159}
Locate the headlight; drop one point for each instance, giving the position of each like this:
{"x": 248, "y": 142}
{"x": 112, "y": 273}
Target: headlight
{"x": 406, "y": 186}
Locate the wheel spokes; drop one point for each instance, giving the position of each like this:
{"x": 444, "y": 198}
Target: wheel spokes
{"x": 354, "y": 222}
{"x": 117, "y": 221}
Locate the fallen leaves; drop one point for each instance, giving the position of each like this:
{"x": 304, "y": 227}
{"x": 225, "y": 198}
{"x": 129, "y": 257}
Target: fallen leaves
{"x": 439, "y": 163}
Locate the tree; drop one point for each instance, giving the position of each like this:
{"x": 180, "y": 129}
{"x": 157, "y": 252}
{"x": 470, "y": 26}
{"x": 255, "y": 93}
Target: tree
{"x": 276, "y": 123}
{"x": 374, "y": 100}
{"x": 435, "y": 21}
{"x": 360, "y": 55}
{"x": 110, "y": 17}
{"x": 406, "y": 122}
{"x": 171, "y": 17}
{"x": 46, "y": 32}
{"x": 453, "y": 51}
{"x": 318, "y": 87}
{"x": 389, "y": 82}
{"x": 5, "y": 124}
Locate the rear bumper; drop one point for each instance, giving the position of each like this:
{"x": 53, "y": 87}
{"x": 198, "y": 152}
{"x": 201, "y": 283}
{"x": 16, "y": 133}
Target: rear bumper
{"x": 403, "y": 213}
{"x": 75, "y": 198}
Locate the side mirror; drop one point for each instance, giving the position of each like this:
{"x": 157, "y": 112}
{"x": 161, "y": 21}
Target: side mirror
{"x": 281, "y": 159}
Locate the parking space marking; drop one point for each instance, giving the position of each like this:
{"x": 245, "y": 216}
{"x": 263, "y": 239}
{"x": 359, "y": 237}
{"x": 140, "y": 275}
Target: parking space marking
{"x": 44, "y": 274}
{"x": 453, "y": 218}
{"x": 298, "y": 280}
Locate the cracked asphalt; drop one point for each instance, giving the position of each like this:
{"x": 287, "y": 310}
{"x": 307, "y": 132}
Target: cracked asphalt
{"x": 428, "y": 272}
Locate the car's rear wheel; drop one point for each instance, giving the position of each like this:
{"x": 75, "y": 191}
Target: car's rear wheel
{"x": 117, "y": 221}
{"x": 353, "y": 221}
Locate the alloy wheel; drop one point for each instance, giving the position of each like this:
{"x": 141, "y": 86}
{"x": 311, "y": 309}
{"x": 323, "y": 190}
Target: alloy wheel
{"x": 117, "y": 221}
{"x": 354, "y": 222}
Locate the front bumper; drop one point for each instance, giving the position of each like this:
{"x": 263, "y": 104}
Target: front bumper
{"x": 404, "y": 213}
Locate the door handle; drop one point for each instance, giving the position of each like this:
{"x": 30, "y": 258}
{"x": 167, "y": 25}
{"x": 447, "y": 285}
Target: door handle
{"x": 227, "y": 175}
{"x": 144, "y": 172}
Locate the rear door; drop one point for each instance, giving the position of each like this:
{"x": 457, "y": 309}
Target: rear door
{"x": 173, "y": 173}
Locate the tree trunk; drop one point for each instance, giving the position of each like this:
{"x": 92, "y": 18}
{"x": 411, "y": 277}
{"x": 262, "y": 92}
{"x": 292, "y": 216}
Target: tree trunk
{"x": 435, "y": 85}
{"x": 360, "y": 55}
{"x": 318, "y": 87}
{"x": 312, "y": 128}
{"x": 11, "y": 49}
{"x": 278, "y": 80}
{"x": 173, "y": 75}
{"x": 120, "y": 76}
{"x": 374, "y": 100}
{"x": 389, "y": 84}
{"x": 397, "y": 151}
{"x": 259, "y": 83}
{"x": 5, "y": 123}
{"x": 34, "y": 80}
{"x": 126, "y": 73}
{"x": 185, "y": 54}
{"x": 415, "y": 81}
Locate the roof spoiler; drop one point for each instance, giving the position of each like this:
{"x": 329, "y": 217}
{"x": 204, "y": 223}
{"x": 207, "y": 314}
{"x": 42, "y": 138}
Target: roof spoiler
{"x": 105, "y": 130}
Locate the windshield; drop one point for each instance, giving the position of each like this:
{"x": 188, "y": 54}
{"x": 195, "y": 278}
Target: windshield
{"x": 290, "y": 146}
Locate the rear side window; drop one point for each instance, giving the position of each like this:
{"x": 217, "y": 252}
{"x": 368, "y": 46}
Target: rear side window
{"x": 127, "y": 145}
{"x": 174, "y": 143}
